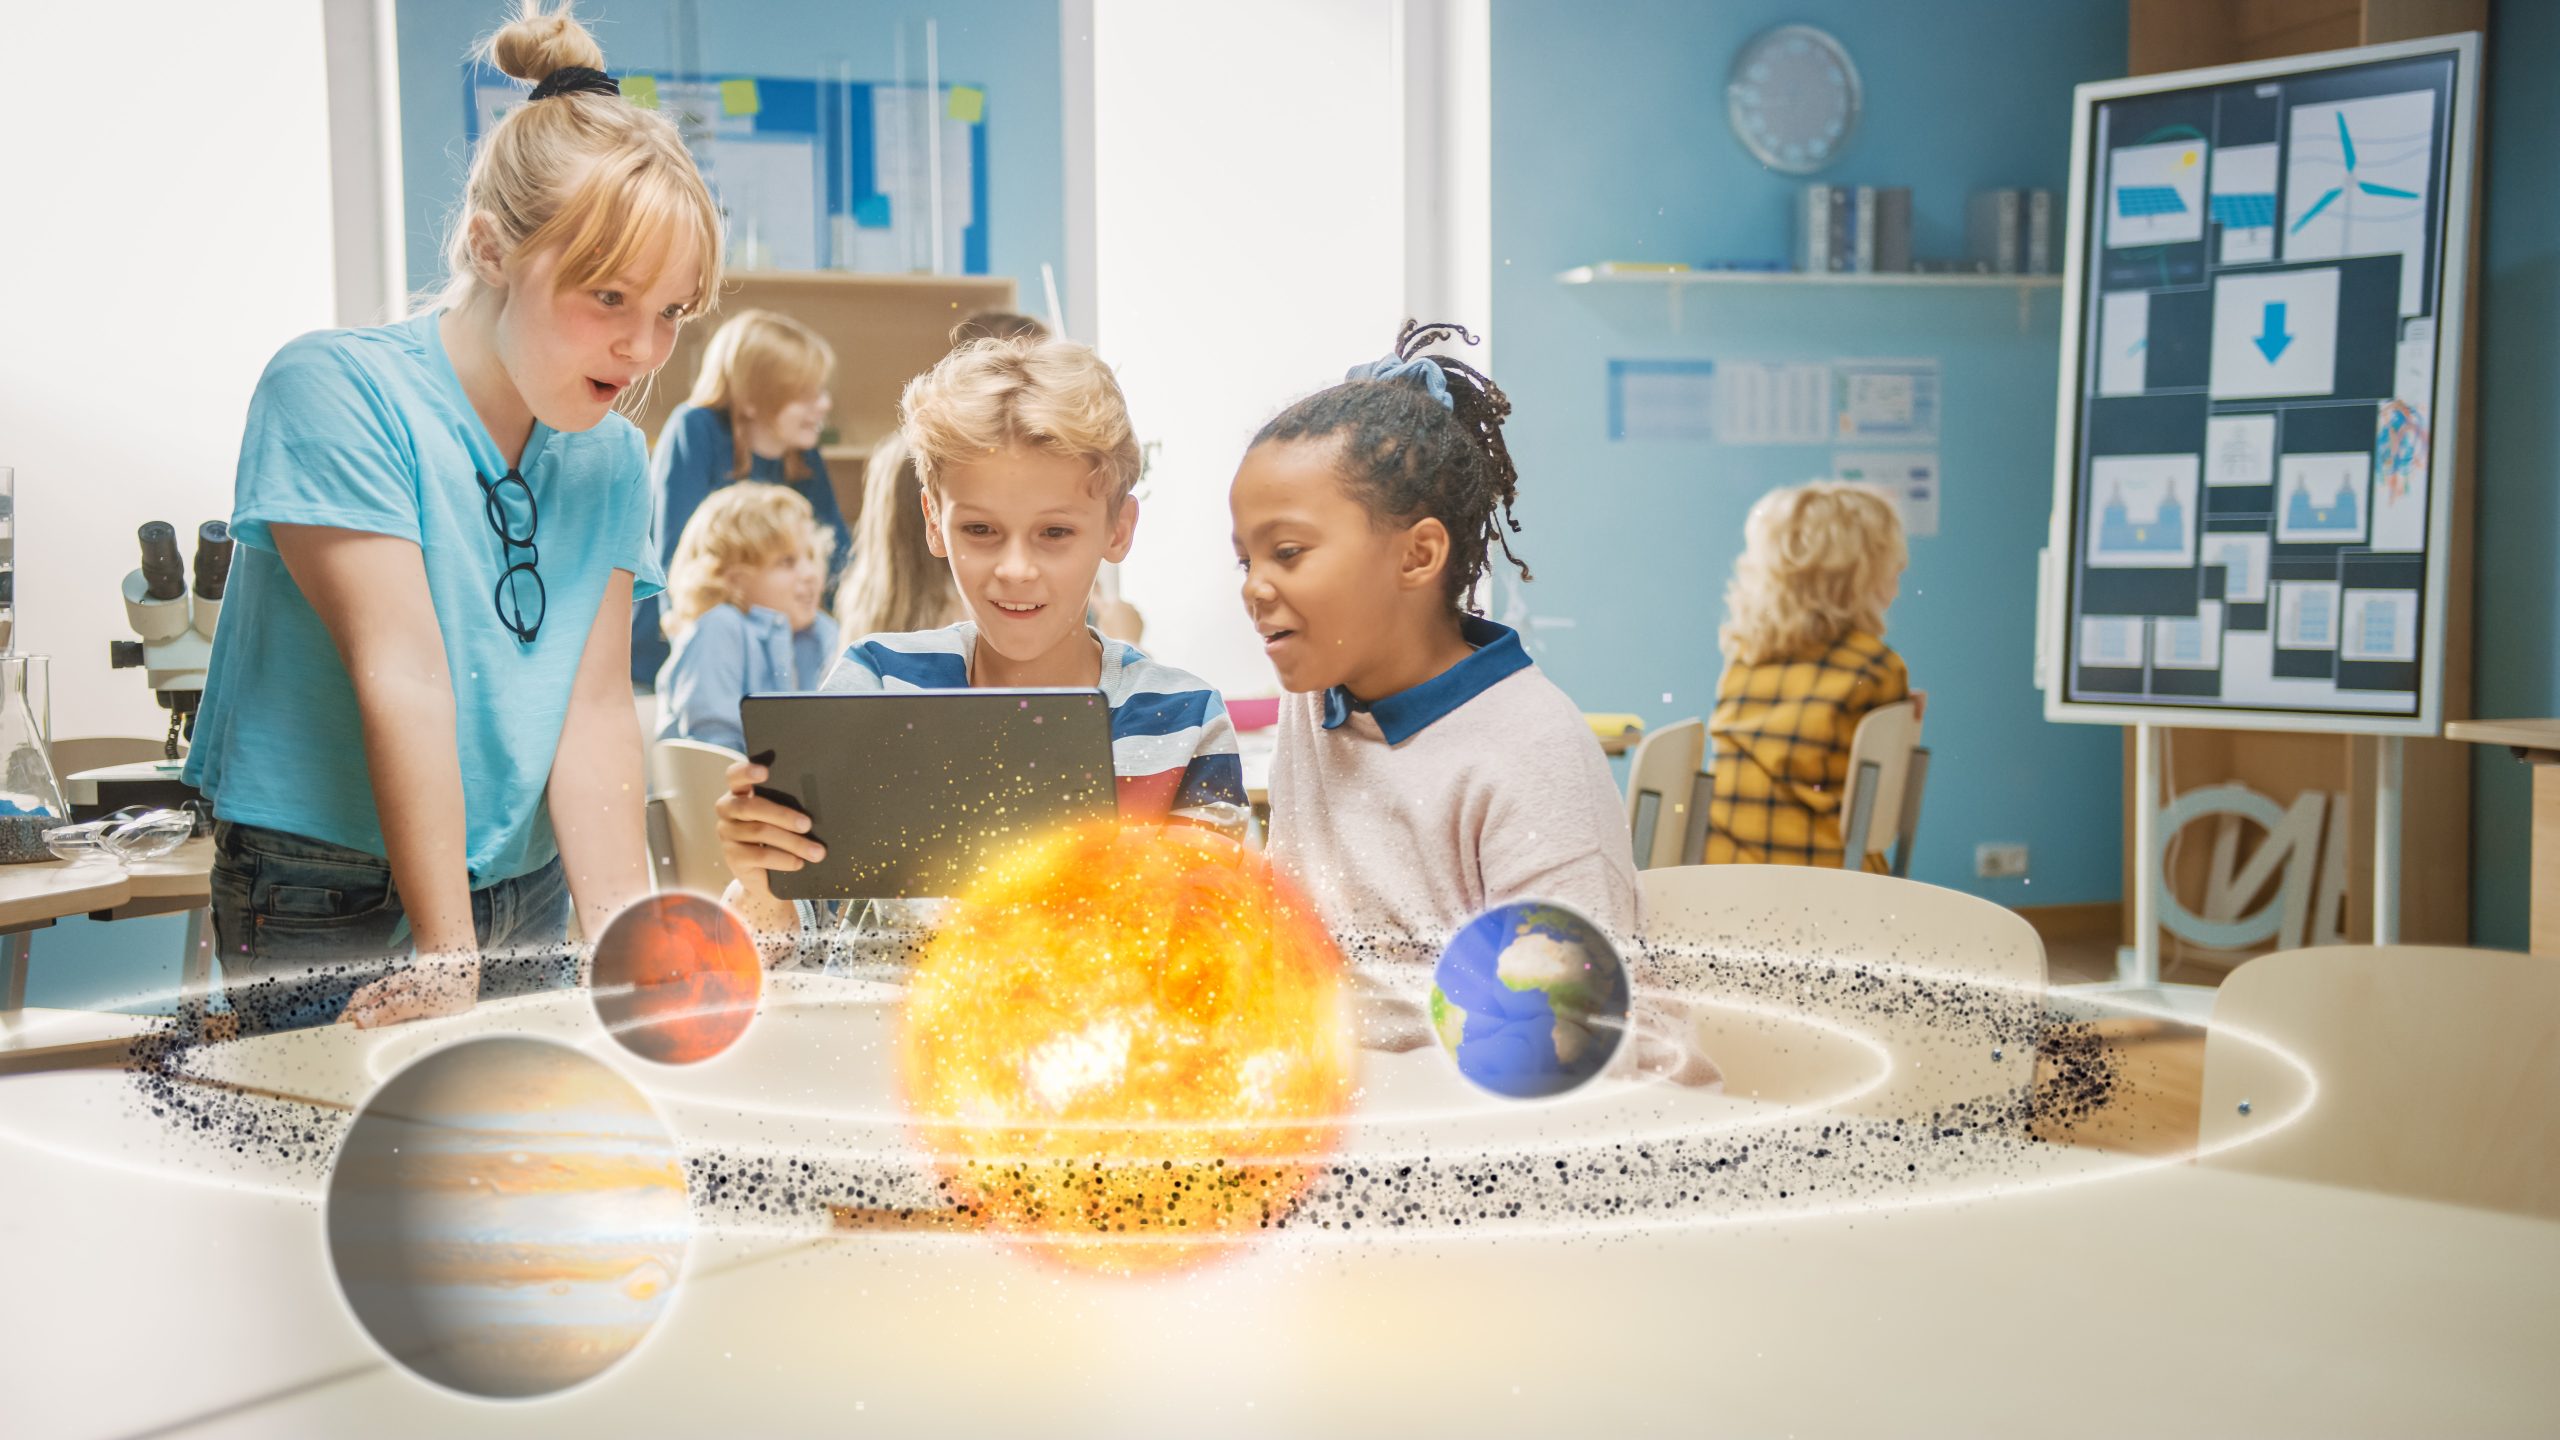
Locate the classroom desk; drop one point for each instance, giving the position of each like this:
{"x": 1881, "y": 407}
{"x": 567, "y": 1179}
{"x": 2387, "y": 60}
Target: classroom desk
{"x": 179, "y": 880}
{"x": 2245, "y": 1305}
{"x": 2537, "y": 744}
{"x": 35, "y": 896}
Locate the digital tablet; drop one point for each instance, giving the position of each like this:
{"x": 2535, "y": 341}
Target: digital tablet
{"x": 912, "y": 790}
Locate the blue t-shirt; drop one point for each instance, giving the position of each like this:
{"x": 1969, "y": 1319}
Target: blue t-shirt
{"x": 369, "y": 430}
{"x": 697, "y": 451}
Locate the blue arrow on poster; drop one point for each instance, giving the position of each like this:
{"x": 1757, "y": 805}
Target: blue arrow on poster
{"x": 2271, "y": 337}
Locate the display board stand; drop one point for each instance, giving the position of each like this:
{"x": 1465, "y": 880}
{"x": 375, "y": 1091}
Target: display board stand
{"x": 2410, "y": 802}
{"x": 2138, "y": 964}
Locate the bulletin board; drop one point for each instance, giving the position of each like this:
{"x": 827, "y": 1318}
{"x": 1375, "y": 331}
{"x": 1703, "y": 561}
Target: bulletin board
{"x": 2264, "y": 293}
{"x": 817, "y": 174}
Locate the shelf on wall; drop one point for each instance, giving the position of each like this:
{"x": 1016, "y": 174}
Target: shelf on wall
{"x": 1677, "y": 282}
{"x": 1594, "y": 275}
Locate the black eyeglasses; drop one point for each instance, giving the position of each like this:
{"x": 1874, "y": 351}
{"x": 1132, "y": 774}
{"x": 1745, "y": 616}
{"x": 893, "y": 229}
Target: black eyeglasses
{"x": 520, "y": 598}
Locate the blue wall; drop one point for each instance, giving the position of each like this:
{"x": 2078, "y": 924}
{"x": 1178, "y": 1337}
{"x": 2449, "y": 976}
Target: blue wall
{"x": 1610, "y": 142}
{"x": 2518, "y": 593}
{"x": 1009, "y": 47}
{"x": 129, "y": 965}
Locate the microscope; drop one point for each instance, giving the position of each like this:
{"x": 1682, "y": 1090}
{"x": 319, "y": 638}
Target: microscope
{"x": 176, "y": 626}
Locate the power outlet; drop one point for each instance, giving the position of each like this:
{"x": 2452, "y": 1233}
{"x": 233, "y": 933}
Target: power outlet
{"x": 1999, "y": 862}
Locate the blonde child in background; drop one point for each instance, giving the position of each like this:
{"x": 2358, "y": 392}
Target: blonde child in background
{"x": 1026, "y": 459}
{"x": 1805, "y": 661}
{"x": 894, "y": 581}
{"x": 756, "y": 412}
{"x": 742, "y": 608}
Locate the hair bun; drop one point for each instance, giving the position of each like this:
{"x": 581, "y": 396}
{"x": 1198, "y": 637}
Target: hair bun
{"x": 538, "y": 42}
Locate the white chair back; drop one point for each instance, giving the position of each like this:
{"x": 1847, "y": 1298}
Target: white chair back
{"x": 1807, "y": 932}
{"x": 97, "y": 752}
{"x": 2435, "y": 1073}
{"x": 1871, "y": 810}
{"x": 1663, "y": 791}
{"x": 686, "y": 777}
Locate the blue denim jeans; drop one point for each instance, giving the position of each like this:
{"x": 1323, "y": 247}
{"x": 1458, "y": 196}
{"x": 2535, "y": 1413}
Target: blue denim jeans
{"x": 300, "y": 924}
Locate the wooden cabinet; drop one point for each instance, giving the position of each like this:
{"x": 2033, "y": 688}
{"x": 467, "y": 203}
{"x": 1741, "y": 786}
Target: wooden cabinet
{"x": 886, "y": 329}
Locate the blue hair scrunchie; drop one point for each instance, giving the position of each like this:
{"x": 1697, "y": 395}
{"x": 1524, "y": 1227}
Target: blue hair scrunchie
{"x": 1419, "y": 368}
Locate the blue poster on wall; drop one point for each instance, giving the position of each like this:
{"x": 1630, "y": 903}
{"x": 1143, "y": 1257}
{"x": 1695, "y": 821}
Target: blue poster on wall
{"x": 817, "y": 174}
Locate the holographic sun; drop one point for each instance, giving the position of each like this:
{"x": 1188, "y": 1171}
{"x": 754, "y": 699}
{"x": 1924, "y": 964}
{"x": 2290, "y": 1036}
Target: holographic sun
{"x": 1126, "y": 1047}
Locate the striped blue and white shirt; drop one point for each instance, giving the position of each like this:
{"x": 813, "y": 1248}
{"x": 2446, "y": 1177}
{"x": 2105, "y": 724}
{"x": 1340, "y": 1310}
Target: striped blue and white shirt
{"x": 1173, "y": 749}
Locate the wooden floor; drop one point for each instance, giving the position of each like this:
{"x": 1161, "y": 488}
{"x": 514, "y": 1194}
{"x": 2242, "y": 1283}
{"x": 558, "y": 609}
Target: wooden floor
{"x": 2156, "y": 1086}
{"x": 2156, "y": 1067}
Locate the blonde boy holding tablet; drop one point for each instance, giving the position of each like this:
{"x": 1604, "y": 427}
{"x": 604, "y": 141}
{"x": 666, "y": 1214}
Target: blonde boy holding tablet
{"x": 1027, "y": 458}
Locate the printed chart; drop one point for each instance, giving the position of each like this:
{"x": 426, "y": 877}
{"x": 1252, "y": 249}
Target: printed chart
{"x": 2249, "y": 476}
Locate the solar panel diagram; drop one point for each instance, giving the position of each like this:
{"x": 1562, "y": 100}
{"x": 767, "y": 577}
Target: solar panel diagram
{"x": 2158, "y": 192}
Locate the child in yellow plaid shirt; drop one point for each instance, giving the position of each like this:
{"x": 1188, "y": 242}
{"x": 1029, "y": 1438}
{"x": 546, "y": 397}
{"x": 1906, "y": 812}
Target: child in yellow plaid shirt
{"x": 1805, "y": 661}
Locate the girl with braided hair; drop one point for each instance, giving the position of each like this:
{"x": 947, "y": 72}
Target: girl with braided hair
{"x": 1426, "y": 770}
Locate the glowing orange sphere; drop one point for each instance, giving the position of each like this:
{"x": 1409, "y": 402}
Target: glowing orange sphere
{"x": 1126, "y": 1047}
{"x": 677, "y": 977}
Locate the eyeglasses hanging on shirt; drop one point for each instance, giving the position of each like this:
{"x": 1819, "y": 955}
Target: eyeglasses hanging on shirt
{"x": 520, "y": 597}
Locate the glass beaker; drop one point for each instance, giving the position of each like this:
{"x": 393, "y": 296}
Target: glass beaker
{"x": 30, "y": 794}
{"x": 8, "y": 560}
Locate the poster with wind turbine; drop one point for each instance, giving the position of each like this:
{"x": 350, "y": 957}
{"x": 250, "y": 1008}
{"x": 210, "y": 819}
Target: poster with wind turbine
{"x": 2356, "y": 183}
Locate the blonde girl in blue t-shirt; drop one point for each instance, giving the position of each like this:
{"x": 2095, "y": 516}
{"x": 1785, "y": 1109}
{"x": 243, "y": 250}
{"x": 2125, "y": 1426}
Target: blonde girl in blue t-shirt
{"x": 417, "y": 732}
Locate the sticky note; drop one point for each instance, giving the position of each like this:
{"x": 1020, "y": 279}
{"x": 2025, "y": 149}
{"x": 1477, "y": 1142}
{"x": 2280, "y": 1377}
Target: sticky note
{"x": 871, "y": 212}
{"x": 738, "y": 97}
{"x": 641, "y": 90}
{"x": 968, "y": 104}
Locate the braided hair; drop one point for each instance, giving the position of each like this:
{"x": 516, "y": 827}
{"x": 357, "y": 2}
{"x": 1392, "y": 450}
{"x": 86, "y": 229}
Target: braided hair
{"x": 1406, "y": 456}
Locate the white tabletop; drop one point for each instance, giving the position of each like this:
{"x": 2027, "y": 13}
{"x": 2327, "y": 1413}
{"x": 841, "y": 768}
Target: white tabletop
{"x": 185, "y": 873}
{"x": 151, "y": 1283}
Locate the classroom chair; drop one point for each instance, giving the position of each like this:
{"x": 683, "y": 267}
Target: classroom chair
{"x": 2435, "y": 1072}
{"x": 686, "y": 777}
{"x": 97, "y": 752}
{"x": 1781, "y": 940}
{"x": 1888, "y": 770}
{"x": 1666, "y": 792}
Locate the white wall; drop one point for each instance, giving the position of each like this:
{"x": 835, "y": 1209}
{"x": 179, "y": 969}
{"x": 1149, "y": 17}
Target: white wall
{"x": 366, "y": 203}
{"x": 1447, "y": 60}
{"x": 162, "y": 237}
{"x": 1249, "y": 215}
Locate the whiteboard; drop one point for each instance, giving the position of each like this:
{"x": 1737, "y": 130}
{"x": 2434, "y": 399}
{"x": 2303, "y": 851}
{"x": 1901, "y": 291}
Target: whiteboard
{"x": 2264, "y": 282}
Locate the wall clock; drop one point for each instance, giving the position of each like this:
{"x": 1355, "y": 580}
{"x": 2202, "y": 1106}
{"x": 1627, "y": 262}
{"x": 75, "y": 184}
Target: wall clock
{"x": 1793, "y": 99}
